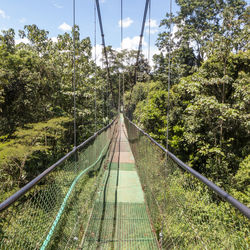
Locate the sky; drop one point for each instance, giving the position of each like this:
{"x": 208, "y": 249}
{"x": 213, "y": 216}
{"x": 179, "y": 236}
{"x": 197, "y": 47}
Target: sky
{"x": 56, "y": 16}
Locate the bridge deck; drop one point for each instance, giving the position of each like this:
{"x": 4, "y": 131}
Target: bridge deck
{"x": 119, "y": 219}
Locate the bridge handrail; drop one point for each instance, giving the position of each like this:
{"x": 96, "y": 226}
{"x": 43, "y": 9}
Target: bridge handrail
{"x": 241, "y": 207}
{"x": 5, "y": 204}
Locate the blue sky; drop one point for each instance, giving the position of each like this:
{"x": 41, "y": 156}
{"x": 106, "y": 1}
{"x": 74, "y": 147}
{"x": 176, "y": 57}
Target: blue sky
{"x": 56, "y": 17}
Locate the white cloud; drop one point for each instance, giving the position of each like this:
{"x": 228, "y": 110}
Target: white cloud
{"x": 175, "y": 29}
{"x": 98, "y": 50}
{"x": 3, "y": 15}
{"x": 58, "y": 6}
{"x": 22, "y": 40}
{"x": 129, "y": 44}
{"x": 153, "y": 23}
{"x": 126, "y": 22}
{"x": 54, "y": 39}
{"x": 64, "y": 27}
{"x": 153, "y": 26}
{"x": 22, "y": 20}
{"x": 103, "y": 1}
{"x": 132, "y": 43}
{"x": 153, "y": 50}
{"x": 152, "y": 31}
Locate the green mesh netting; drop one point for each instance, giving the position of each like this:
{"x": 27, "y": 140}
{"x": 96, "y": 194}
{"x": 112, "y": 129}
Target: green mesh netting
{"x": 120, "y": 219}
{"x": 186, "y": 214}
{"x": 55, "y": 212}
{"x": 85, "y": 206}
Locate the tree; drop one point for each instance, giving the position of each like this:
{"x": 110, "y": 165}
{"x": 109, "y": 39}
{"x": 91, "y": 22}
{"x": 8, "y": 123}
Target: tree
{"x": 199, "y": 108}
{"x": 35, "y": 91}
{"x": 28, "y": 145}
{"x": 196, "y": 27}
{"x": 26, "y": 91}
{"x": 241, "y": 188}
{"x": 37, "y": 37}
{"x": 8, "y": 39}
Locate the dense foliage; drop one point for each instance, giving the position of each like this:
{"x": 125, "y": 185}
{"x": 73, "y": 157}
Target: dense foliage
{"x": 183, "y": 209}
{"x": 209, "y": 95}
{"x": 36, "y": 98}
{"x": 208, "y": 116}
{"x": 36, "y": 102}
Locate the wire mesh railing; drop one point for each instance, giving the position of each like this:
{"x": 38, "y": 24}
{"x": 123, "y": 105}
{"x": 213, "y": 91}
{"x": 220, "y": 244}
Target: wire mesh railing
{"x": 52, "y": 211}
{"x": 187, "y": 210}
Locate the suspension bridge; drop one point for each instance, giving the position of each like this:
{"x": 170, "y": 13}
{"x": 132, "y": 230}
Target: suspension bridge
{"x": 120, "y": 189}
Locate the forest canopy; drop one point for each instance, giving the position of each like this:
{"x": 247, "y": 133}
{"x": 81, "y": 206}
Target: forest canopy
{"x": 209, "y": 94}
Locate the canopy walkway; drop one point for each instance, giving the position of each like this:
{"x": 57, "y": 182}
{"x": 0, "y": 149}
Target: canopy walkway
{"x": 122, "y": 190}
{"x": 119, "y": 219}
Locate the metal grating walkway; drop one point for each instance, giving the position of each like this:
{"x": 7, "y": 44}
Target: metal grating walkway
{"x": 119, "y": 218}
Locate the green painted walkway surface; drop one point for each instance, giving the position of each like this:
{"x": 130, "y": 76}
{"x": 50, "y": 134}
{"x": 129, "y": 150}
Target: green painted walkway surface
{"x": 119, "y": 218}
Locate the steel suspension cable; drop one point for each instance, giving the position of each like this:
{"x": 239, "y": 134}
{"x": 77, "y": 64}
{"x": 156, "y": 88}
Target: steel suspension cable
{"x": 169, "y": 71}
{"x": 74, "y": 74}
{"x": 149, "y": 29}
{"x": 103, "y": 92}
{"x": 104, "y": 47}
{"x": 168, "y": 110}
{"x": 141, "y": 37}
{"x": 119, "y": 97}
{"x": 75, "y": 142}
{"x": 121, "y": 50}
{"x": 121, "y": 23}
{"x": 149, "y": 39}
{"x": 138, "y": 52}
{"x": 95, "y": 59}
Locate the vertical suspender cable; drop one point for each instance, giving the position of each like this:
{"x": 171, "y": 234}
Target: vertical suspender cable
{"x": 168, "y": 106}
{"x": 169, "y": 70}
{"x": 105, "y": 50}
{"x": 138, "y": 52}
{"x": 103, "y": 92}
{"x": 74, "y": 74}
{"x": 95, "y": 59}
{"x": 123, "y": 91}
{"x": 149, "y": 41}
{"x": 121, "y": 22}
{"x": 149, "y": 30}
{"x": 141, "y": 37}
{"x": 102, "y": 34}
{"x": 119, "y": 97}
{"x": 121, "y": 50}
